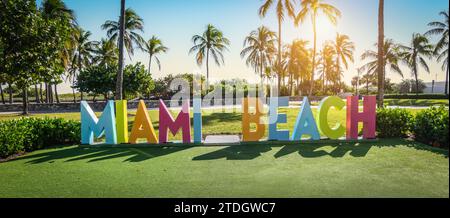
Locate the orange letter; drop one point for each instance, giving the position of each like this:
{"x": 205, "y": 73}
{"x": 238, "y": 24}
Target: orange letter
{"x": 143, "y": 127}
{"x": 247, "y": 118}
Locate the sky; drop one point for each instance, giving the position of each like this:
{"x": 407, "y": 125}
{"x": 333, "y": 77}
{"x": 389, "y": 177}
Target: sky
{"x": 176, "y": 21}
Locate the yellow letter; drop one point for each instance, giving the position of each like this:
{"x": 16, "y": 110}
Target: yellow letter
{"x": 325, "y": 105}
{"x": 143, "y": 127}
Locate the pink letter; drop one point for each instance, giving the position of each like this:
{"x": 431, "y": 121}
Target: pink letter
{"x": 166, "y": 122}
{"x": 368, "y": 117}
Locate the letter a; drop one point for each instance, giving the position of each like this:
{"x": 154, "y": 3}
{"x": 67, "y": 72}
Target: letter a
{"x": 166, "y": 122}
{"x": 143, "y": 127}
{"x": 305, "y": 124}
{"x": 91, "y": 125}
{"x": 368, "y": 117}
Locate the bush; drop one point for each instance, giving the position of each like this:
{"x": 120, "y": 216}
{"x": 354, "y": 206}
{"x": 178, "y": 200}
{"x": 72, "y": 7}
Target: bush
{"x": 29, "y": 134}
{"x": 431, "y": 126}
{"x": 393, "y": 122}
{"x": 414, "y": 96}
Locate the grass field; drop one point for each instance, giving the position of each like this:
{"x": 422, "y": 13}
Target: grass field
{"x": 388, "y": 168}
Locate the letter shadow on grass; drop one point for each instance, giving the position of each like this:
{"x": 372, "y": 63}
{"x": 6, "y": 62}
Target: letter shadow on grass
{"x": 101, "y": 154}
{"x": 236, "y": 152}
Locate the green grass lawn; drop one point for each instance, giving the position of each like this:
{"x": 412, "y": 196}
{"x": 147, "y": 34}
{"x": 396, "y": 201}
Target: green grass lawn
{"x": 416, "y": 102}
{"x": 388, "y": 168}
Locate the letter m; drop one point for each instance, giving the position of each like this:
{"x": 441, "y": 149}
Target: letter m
{"x": 92, "y": 126}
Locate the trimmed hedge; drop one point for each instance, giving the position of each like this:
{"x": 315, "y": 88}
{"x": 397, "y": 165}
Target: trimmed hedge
{"x": 29, "y": 134}
{"x": 393, "y": 122}
{"x": 414, "y": 96}
{"x": 431, "y": 126}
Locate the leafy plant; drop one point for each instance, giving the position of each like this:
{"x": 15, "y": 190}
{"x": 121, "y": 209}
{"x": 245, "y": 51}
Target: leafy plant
{"x": 431, "y": 126}
{"x": 393, "y": 122}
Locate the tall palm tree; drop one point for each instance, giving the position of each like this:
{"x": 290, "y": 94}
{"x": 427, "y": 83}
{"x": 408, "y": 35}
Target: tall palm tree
{"x": 327, "y": 65}
{"x": 391, "y": 56}
{"x": 81, "y": 53}
{"x": 57, "y": 10}
{"x": 106, "y": 53}
{"x": 312, "y": 8}
{"x": 211, "y": 42}
{"x": 154, "y": 47}
{"x": 381, "y": 51}
{"x": 344, "y": 49}
{"x": 415, "y": 54}
{"x": 441, "y": 49}
{"x": 121, "y": 36}
{"x": 133, "y": 24}
{"x": 282, "y": 7}
{"x": 298, "y": 61}
{"x": 259, "y": 48}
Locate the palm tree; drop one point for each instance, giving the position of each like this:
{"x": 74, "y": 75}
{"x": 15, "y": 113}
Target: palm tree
{"x": 133, "y": 25}
{"x": 381, "y": 51}
{"x": 344, "y": 49}
{"x": 259, "y": 48}
{"x": 313, "y": 8}
{"x": 391, "y": 56}
{"x": 415, "y": 54}
{"x": 327, "y": 65}
{"x": 122, "y": 32}
{"x": 441, "y": 49}
{"x": 298, "y": 61}
{"x": 154, "y": 47}
{"x": 211, "y": 42}
{"x": 57, "y": 9}
{"x": 81, "y": 54}
{"x": 106, "y": 53}
{"x": 282, "y": 6}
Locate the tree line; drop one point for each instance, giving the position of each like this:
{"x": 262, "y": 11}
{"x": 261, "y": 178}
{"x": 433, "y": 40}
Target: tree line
{"x": 44, "y": 46}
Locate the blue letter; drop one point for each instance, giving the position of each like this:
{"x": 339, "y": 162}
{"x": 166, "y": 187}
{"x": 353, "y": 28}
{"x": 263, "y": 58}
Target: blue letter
{"x": 305, "y": 124}
{"x": 197, "y": 120}
{"x": 91, "y": 125}
{"x": 275, "y": 118}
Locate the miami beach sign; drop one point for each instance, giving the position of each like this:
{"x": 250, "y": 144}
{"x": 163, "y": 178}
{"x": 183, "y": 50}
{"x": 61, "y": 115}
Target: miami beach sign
{"x": 113, "y": 123}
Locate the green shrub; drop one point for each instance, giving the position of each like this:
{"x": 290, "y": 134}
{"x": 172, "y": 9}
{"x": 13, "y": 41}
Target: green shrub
{"x": 414, "y": 96}
{"x": 29, "y": 134}
{"x": 393, "y": 122}
{"x": 431, "y": 126}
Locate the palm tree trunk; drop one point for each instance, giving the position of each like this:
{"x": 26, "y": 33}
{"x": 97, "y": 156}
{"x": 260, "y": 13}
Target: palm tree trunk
{"x": 279, "y": 55}
{"x": 10, "y": 93}
{"x": 40, "y": 92}
{"x": 207, "y": 69}
{"x": 74, "y": 95}
{"x": 56, "y": 93}
{"x": 149, "y": 64}
{"x": 36, "y": 93}
{"x": 381, "y": 54}
{"x": 46, "y": 93}
{"x": 25, "y": 101}
{"x": 311, "y": 87}
{"x": 446, "y": 81}
{"x": 1, "y": 92}
{"x": 119, "y": 82}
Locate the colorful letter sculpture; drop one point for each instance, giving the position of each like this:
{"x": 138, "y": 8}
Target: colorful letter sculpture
{"x": 143, "y": 127}
{"x": 305, "y": 124}
{"x": 166, "y": 122}
{"x": 122, "y": 122}
{"x": 197, "y": 120}
{"x": 91, "y": 125}
{"x": 247, "y": 118}
{"x": 275, "y": 118}
{"x": 322, "y": 119}
{"x": 368, "y": 117}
